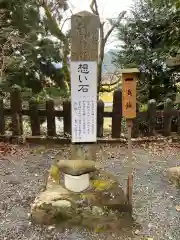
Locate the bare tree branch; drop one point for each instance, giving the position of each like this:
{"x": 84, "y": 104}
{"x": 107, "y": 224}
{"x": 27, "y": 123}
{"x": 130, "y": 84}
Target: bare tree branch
{"x": 103, "y": 37}
{"x": 53, "y": 26}
{"x": 120, "y": 17}
{"x": 94, "y": 7}
{"x": 65, "y": 22}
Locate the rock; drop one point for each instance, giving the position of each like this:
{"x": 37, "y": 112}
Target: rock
{"x": 103, "y": 199}
{"x": 107, "y": 191}
{"x": 51, "y": 205}
{"x": 61, "y": 204}
{"x": 178, "y": 208}
{"x": 137, "y": 232}
{"x": 51, "y": 228}
{"x": 97, "y": 211}
{"x": 77, "y": 167}
{"x": 174, "y": 175}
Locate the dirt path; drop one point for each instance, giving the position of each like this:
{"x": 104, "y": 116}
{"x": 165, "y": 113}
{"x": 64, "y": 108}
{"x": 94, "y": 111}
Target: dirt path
{"x": 23, "y": 176}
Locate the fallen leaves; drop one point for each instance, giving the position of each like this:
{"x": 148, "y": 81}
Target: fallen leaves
{"x": 7, "y": 149}
{"x": 158, "y": 148}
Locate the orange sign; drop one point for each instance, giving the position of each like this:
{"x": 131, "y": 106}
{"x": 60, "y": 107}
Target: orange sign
{"x": 129, "y": 95}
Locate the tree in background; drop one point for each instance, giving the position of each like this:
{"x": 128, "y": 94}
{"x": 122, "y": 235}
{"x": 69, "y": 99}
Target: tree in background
{"x": 29, "y": 62}
{"x": 146, "y": 45}
{"x": 27, "y": 51}
{"x": 53, "y": 10}
{"x": 104, "y": 37}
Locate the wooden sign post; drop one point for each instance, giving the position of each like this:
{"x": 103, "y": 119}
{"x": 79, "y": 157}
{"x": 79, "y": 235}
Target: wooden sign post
{"x": 84, "y": 57}
{"x": 129, "y": 78}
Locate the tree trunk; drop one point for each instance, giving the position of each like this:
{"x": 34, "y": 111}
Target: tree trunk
{"x": 101, "y": 58}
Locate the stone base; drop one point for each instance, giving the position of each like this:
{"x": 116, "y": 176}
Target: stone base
{"x": 174, "y": 175}
{"x": 104, "y": 201}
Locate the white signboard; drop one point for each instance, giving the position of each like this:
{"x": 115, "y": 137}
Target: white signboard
{"x": 84, "y": 101}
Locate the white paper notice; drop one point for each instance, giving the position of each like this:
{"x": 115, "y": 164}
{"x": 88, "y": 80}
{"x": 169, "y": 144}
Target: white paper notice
{"x": 84, "y": 101}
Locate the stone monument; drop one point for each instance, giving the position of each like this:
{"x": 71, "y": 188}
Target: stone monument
{"x": 99, "y": 198}
{"x": 80, "y": 192}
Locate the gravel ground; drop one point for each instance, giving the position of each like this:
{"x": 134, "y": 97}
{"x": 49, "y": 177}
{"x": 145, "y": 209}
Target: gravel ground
{"x": 23, "y": 175}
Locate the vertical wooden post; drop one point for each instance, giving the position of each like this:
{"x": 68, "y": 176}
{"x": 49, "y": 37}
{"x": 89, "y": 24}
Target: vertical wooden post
{"x": 34, "y": 117}
{"x": 67, "y": 117}
{"x": 2, "y": 118}
{"x": 51, "y": 126}
{"x": 100, "y": 118}
{"x": 16, "y": 108}
{"x": 152, "y": 117}
{"x": 84, "y": 41}
{"x": 117, "y": 113}
{"x": 178, "y": 123}
{"x": 136, "y": 123}
{"x": 130, "y": 174}
{"x": 129, "y": 77}
{"x": 168, "y": 106}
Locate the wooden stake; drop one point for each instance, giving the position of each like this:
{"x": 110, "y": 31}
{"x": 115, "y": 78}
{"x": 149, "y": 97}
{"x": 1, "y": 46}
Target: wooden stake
{"x": 130, "y": 175}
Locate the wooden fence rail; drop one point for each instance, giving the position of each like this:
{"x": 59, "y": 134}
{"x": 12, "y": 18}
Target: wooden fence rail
{"x": 147, "y": 123}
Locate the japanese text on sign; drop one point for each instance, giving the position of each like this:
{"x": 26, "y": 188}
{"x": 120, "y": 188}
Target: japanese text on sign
{"x": 129, "y": 96}
{"x": 83, "y": 77}
{"x": 84, "y": 101}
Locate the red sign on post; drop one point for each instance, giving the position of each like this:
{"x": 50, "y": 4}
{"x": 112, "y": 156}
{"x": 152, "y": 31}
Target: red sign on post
{"x": 129, "y": 95}
{"x": 129, "y": 77}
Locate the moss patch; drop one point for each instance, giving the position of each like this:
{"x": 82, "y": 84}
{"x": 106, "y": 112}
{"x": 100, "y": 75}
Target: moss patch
{"x": 101, "y": 185}
{"x": 59, "y": 205}
{"x": 54, "y": 173}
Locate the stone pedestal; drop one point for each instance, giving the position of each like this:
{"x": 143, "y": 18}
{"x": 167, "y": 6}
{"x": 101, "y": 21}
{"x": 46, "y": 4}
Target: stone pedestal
{"x": 104, "y": 200}
{"x": 174, "y": 175}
